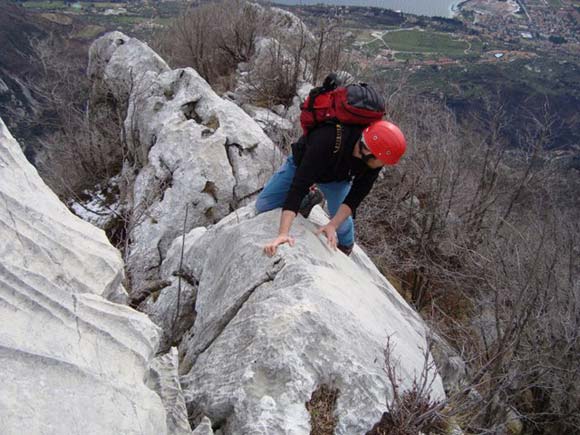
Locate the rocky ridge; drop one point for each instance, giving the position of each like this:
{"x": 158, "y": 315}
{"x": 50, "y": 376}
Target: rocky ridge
{"x": 191, "y": 148}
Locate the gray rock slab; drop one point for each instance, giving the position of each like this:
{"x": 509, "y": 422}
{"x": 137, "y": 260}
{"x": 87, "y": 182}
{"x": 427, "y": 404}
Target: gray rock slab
{"x": 270, "y": 330}
{"x": 72, "y": 361}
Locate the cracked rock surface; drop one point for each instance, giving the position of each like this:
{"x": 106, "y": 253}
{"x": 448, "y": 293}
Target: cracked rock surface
{"x": 270, "y": 330}
{"x": 164, "y": 380}
{"x": 72, "y": 361}
{"x": 192, "y": 147}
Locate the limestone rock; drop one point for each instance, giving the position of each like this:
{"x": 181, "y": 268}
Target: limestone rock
{"x": 39, "y": 232}
{"x": 290, "y": 25}
{"x": 164, "y": 380}
{"x": 123, "y": 63}
{"x": 101, "y": 51}
{"x": 293, "y": 112}
{"x": 194, "y": 148}
{"x": 72, "y": 361}
{"x": 307, "y": 316}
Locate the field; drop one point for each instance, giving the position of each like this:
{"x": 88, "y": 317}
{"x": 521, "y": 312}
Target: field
{"x": 88, "y": 32}
{"x": 79, "y": 5}
{"x": 89, "y": 20}
{"x": 408, "y": 44}
{"x": 48, "y": 5}
{"x": 418, "y": 41}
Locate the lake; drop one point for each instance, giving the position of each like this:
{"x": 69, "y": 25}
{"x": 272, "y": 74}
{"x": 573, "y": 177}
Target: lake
{"x": 440, "y": 8}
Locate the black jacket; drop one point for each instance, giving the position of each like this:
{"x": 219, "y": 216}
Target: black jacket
{"x": 319, "y": 160}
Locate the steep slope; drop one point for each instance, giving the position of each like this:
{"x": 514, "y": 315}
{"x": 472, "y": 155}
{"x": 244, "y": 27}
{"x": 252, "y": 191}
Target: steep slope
{"x": 72, "y": 360}
{"x": 17, "y": 28}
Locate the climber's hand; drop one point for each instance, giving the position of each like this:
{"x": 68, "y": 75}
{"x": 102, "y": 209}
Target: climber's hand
{"x": 270, "y": 248}
{"x": 329, "y": 231}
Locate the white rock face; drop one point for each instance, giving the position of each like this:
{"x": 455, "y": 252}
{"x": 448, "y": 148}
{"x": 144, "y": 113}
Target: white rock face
{"x": 164, "y": 380}
{"x": 270, "y": 330}
{"x": 72, "y": 361}
{"x": 122, "y": 62}
{"x": 293, "y": 113}
{"x": 194, "y": 148}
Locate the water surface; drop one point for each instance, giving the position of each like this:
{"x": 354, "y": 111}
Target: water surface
{"x": 442, "y": 8}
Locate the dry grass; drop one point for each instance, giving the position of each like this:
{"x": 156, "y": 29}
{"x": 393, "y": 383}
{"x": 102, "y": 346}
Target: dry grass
{"x": 321, "y": 407}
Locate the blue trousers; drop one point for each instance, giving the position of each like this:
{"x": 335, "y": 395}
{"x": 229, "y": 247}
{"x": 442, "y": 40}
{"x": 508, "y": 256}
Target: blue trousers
{"x": 276, "y": 190}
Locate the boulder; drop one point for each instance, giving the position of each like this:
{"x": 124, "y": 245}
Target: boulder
{"x": 307, "y": 316}
{"x": 72, "y": 361}
{"x": 122, "y": 63}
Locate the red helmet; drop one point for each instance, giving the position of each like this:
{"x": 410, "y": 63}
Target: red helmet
{"x": 385, "y": 141}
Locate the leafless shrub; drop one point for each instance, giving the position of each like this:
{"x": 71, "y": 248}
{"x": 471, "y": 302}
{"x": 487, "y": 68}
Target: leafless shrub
{"x": 412, "y": 411}
{"x": 274, "y": 78}
{"x": 482, "y": 238}
{"x": 216, "y": 37}
{"x": 212, "y": 38}
{"x": 74, "y": 153}
{"x": 328, "y": 53}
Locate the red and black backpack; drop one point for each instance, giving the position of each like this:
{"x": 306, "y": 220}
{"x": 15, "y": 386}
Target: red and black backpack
{"x": 357, "y": 104}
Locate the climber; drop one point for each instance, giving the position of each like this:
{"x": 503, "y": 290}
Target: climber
{"x": 344, "y": 161}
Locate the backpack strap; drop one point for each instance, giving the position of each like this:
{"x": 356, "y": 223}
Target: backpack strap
{"x": 338, "y": 143}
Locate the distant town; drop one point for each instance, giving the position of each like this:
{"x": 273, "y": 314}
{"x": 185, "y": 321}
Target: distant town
{"x": 482, "y": 31}
{"x": 550, "y": 21}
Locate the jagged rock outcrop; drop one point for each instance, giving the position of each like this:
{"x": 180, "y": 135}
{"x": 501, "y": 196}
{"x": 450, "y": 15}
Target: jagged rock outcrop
{"x": 192, "y": 149}
{"x": 307, "y": 316}
{"x": 72, "y": 361}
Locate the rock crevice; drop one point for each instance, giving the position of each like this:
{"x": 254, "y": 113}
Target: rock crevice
{"x": 213, "y": 331}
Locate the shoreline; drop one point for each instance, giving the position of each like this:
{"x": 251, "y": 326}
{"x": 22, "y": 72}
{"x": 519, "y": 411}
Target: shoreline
{"x": 452, "y": 9}
{"x": 455, "y": 8}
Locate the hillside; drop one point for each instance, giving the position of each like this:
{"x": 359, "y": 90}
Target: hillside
{"x": 165, "y": 144}
{"x": 17, "y": 28}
